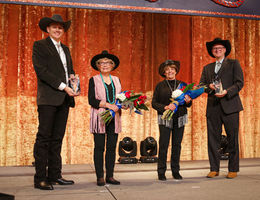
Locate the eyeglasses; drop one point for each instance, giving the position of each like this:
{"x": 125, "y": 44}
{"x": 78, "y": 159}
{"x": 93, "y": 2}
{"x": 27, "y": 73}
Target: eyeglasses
{"x": 217, "y": 48}
{"x": 106, "y": 63}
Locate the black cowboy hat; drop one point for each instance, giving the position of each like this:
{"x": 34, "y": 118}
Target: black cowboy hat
{"x": 168, "y": 63}
{"x": 46, "y": 21}
{"x": 225, "y": 43}
{"x": 104, "y": 54}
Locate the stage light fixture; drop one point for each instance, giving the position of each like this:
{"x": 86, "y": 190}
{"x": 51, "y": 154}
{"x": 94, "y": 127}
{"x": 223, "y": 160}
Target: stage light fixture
{"x": 127, "y": 151}
{"x": 224, "y": 155}
{"x": 148, "y": 150}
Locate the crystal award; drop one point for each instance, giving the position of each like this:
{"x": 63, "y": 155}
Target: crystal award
{"x": 75, "y": 83}
{"x": 218, "y": 85}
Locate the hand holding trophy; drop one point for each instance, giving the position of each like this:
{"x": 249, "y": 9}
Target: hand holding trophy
{"x": 219, "y": 91}
{"x": 74, "y": 83}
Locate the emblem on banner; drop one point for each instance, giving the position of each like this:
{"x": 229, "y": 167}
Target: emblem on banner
{"x": 152, "y": 0}
{"x": 230, "y": 4}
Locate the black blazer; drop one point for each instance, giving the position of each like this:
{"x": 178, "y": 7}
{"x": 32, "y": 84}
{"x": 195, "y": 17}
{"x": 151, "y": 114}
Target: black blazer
{"x": 232, "y": 79}
{"x": 50, "y": 72}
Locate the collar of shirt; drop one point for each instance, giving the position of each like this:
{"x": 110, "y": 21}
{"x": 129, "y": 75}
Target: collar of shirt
{"x": 221, "y": 61}
{"x": 55, "y": 43}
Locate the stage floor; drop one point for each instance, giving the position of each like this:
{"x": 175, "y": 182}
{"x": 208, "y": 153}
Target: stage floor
{"x": 139, "y": 182}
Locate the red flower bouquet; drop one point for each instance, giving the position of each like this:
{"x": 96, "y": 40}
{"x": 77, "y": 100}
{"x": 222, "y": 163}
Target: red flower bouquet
{"x": 126, "y": 99}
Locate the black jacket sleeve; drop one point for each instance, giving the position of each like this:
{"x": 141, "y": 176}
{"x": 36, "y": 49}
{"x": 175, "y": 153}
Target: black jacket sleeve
{"x": 156, "y": 104}
{"x": 238, "y": 80}
{"x": 91, "y": 94}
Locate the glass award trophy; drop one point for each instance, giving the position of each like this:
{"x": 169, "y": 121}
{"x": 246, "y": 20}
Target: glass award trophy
{"x": 218, "y": 85}
{"x": 75, "y": 83}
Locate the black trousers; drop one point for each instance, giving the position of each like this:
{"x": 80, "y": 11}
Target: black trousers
{"x": 47, "y": 147}
{"x": 111, "y": 140}
{"x": 214, "y": 126}
{"x": 177, "y": 135}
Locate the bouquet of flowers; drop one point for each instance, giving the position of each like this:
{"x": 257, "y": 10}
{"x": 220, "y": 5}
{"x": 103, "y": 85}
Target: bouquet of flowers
{"x": 178, "y": 97}
{"x": 126, "y": 99}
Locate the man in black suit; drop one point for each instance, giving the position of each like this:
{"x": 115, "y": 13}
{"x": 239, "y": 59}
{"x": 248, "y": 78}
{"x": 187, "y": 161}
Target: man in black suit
{"x": 53, "y": 66}
{"x": 222, "y": 107}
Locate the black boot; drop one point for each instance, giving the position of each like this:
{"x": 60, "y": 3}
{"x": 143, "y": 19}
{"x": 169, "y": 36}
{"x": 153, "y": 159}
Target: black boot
{"x": 176, "y": 175}
{"x": 112, "y": 181}
{"x": 162, "y": 177}
{"x": 100, "y": 182}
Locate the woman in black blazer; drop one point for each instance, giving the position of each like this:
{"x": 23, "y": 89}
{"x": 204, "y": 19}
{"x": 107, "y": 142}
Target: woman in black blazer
{"x": 175, "y": 126}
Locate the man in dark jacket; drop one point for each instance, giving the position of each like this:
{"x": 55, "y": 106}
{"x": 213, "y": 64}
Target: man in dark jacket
{"x": 223, "y": 106}
{"x": 53, "y": 66}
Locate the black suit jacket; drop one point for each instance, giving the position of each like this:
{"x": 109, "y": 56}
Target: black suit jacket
{"x": 232, "y": 79}
{"x": 50, "y": 72}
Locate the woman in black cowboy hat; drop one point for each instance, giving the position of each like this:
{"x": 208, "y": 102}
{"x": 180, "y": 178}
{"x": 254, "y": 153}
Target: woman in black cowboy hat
{"x": 102, "y": 95}
{"x": 53, "y": 66}
{"x": 222, "y": 107}
{"x": 175, "y": 126}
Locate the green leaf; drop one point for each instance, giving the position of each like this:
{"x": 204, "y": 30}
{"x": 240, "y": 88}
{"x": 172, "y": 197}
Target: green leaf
{"x": 188, "y": 87}
{"x": 143, "y": 107}
{"x": 134, "y": 97}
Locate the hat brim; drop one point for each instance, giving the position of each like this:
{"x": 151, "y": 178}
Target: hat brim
{"x": 109, "y": 56}
{"x": 46, "y": 21}
{"x": 225, "y": 43}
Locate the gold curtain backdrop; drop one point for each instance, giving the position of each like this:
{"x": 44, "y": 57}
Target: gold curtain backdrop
{"x": 142, "y": 41}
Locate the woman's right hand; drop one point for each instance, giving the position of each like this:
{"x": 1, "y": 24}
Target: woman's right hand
{"x": 171, "y": 106}
{"x": 112, "y": 107}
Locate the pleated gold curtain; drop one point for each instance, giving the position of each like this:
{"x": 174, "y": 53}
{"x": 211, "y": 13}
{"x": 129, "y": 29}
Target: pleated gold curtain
{"x": 142, "y": 41}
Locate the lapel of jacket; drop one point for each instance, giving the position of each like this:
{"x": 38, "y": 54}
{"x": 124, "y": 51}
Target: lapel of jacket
{"x": 55, "y": 52}
{"x": 211, "y": 71}
{"x": 223, "y": 66}
{"x": 66, "y": 54}
{"x": 52, "y": 47}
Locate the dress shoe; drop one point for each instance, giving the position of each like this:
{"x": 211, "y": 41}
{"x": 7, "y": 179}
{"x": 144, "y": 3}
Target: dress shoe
{"x": 212, "y": 174}
{"x": 112, "y": 181}
{"x": 176, "y": 175}
{"x": 101, "y": 182}
{"x": 231, "y": 175}
{"x": 62, "y": 181}
{"x": 43, "y": 185}
{"x": 162, "y": 177}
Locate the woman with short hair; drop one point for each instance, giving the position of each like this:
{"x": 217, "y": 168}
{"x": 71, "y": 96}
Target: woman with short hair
{"x": 174, "y": 126}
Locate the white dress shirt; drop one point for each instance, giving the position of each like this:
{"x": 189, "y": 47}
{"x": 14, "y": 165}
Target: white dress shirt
{"x": 218, "y": 65}
{"x": 64, "y": 62}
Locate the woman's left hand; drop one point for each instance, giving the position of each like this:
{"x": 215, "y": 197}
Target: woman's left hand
{"x": 187, "y": 99}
